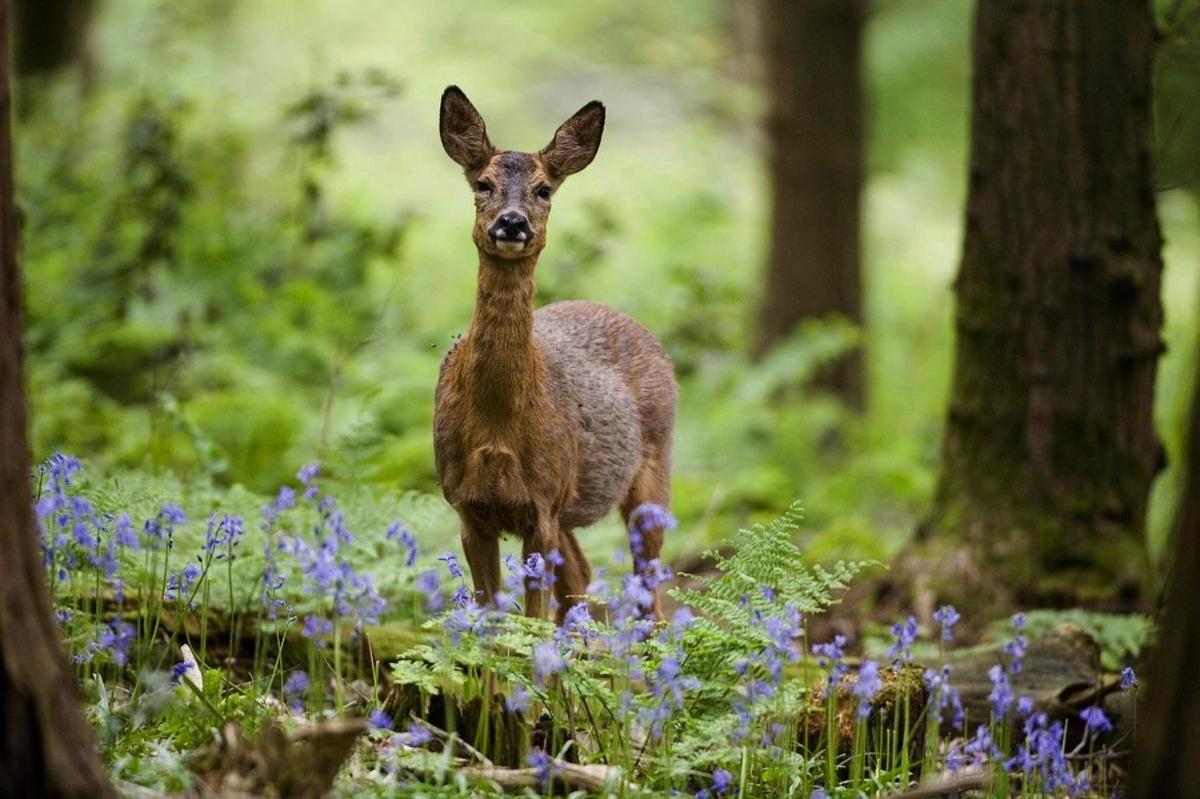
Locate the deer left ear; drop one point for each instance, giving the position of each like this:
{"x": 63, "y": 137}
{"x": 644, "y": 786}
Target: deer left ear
{"x": 575, "y": 142}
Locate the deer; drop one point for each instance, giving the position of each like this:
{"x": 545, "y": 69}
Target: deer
{"x": 544, "y": 420}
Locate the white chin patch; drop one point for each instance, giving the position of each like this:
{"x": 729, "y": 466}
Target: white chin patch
{"x": 508, "y": 245}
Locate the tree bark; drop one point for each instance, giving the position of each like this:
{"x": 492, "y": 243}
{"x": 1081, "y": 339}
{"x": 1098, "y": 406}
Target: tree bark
{"x": 1050, "y": 447}
{"x": 46, "y": 746}
{"x": 813, "y": 58}
{"x": 1167, "y": 745}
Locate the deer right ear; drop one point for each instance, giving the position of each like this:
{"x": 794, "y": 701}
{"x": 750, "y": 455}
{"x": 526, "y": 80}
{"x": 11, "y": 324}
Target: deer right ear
{"x": 464, "y": 136}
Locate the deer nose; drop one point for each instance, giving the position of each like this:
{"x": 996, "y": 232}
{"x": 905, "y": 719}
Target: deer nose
{"x": 511, "y": 226}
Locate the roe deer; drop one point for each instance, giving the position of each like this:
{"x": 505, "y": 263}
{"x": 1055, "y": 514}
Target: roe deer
{"x": 544, "y": 421}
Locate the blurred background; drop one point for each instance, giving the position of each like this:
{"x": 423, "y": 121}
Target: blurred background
{"x": 244, "y": 248}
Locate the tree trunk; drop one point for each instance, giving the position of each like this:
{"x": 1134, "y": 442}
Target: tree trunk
{"x": 812, "y": 53}
{"x": 1167, "y": 745}
{"x": 46, "y": 746}
{"x": 1050, "y": 447}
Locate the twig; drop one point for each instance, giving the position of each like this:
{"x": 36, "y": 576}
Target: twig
{"x": 593, "y": 779}
{"x": 453, "y": 740}
{"x": 946, "y": 786}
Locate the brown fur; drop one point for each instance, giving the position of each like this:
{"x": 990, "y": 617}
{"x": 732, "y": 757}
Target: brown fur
{"x": 544, "y": 421}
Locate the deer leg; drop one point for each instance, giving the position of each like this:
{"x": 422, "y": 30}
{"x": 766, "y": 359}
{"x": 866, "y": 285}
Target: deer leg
{"x": 482, "y": 548}
{"x": 652, "y": 483}
{"x": 540, "y": 540}
{"x": 573, "y": 576}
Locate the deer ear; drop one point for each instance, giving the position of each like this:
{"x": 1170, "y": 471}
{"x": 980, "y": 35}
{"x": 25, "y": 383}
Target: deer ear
{"x": 575, "y": 142}
{"x": 464, "y": 136}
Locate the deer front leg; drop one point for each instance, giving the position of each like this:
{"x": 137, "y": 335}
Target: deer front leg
{"x": 540, "y": 540}
{"x": 482, "y": 548}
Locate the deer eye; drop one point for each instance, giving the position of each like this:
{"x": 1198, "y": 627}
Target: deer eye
{"x": 483, "y": 185}
{"x": 543, "y": 191}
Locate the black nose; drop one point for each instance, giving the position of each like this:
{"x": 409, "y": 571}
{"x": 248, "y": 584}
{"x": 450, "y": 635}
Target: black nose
{"x": 511, "y": 226}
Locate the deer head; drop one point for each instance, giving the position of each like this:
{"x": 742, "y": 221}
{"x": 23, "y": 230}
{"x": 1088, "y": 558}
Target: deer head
{"x": 512, "y": 189}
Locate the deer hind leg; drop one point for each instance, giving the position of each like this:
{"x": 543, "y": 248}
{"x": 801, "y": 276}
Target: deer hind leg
{"x": 651, "y": 483}
{"x": 482, "y": 549}
{"x": 573, "y": 576}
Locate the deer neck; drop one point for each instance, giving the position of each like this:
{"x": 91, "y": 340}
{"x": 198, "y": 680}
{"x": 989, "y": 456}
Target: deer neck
{"x": 502, "y": 364}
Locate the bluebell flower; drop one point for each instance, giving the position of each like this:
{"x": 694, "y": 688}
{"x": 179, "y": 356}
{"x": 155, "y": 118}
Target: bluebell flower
{"x": 462, "y": 597}
{"x": 1015, "y": 648}
{"x": 905, "y": 634}
{"x": 452, "y": 566}
{"x": 399, "y": 532}
{"x": 946, "y": 616}
{"x": 123, "y": 532}
{"x": 115, "y": 638}
{"x": 1025, "y": 706}
{"x": 178, "y": 670}
{"x": 307, "y": 475}
{"x": 379, "y": 720}
{"x": 1095, "y": 720}
{"x": 317, "y": 628}
{"x": 818, "y": 793}
{"x": 1128, "y": 678}
{"x": 542, "y": 765}
{"x": 429, "y": 583}
{"x": 296, "y": 683}
{"x": 683, "y": 618}
{"x": 830, "y": 657}
{"x": 1001, "y": 695}
{"x": 944, "y": 695}
{"x": 416, "y": 735}
{"x": 555, "y": 558}
{"x": 546, "y": 661}
{"x": 518, "y": 700}
{"x": 722, "y": 780}
{"x": 868, "y": 686}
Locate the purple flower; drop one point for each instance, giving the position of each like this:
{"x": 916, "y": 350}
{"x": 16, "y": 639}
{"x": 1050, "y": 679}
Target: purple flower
{"x": 1025, "y": 706}
{"x": 830, "y": 657}
{"x": 555, "y": 558}
{"x": 818, "y": 793}
{"x": 452, "y": 566}
{"x": 399, "y": 532}
{"x": 1095, "y": 720}
{"x": 546, "y": 661}
{"x": 318, "y": 628}
{"x": 116, "y": 638}
{"x": 535, "y": 572}
{"x": 1128, "y": 678}
{"x": 306, "y": 476}
{"x": 721, "y": 781}
{"x": 869, "y": 684}
{"x": 462, "y": 597}
{"x": 1001, "y": 695}
{"x": 178, "y": 670}
{"x": 518, "y": 701}
{"x": 683, "y": 618}
{"x": 944, "y": 695}
{"x": 123, "y": 532}
{"x": 905, "y": 633}
{"x": 429, "y": 583}
{"x": 542, "y": 765}
{"x": 416, "y": 735}
{"x": 379, "y": 720}
{"x": 946, "y": 616}
{"x": 296, "y": 683}
{"x": 1015, "y": 648}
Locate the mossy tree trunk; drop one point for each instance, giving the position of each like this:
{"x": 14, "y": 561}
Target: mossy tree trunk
{"x": 1050, "y": 447}
{"x": 812, "y": 53}
{"x": 1167, "y": 744}
{"x": 46, "y": 747}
